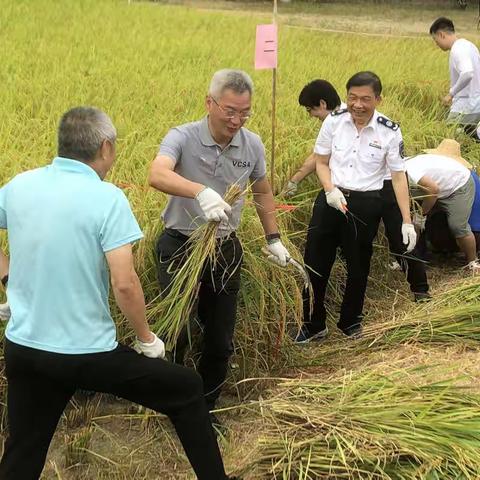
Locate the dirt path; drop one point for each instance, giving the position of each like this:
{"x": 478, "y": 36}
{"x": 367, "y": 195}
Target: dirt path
{"x": 366, "y": 19}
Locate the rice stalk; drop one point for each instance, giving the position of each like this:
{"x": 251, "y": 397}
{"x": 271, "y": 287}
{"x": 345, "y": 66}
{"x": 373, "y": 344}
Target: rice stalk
{"x": 403, "y": 426}
{"x": 174, "y": 310}
{"x": 451, "y": 318}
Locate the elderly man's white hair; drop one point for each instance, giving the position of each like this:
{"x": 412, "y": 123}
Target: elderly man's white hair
{"x": 228, "y": 79}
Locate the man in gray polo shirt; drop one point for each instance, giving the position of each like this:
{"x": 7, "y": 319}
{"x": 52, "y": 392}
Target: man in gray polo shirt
{"x": 195, "y": 165}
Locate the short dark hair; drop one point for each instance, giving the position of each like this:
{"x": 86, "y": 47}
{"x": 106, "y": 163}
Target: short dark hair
{"x": 82, "y": 131}
{"x": 362, "y": 79}
{"x": 444, "y": 24}
{"x": 317, "y": 90}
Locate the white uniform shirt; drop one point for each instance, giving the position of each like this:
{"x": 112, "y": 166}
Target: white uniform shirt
{"x": 446, "y": 172}
{"x": 465, "y": 57}
{"x": 358, "y": 160}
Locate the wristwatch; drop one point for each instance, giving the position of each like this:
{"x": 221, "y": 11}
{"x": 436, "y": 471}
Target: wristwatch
{"x": 272, "y": 237}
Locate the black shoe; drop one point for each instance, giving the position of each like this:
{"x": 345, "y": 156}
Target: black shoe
{"x": 354, "y": 332}
{"x": 421, "y": 297}
{"x": 305, "y": 336}
{"x": 82, "y": 394}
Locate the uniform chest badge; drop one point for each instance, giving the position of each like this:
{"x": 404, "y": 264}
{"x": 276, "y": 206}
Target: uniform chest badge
{"x": 375, "y": 144}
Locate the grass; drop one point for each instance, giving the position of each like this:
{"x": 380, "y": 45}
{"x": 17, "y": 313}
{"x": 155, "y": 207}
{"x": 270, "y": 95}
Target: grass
{"x": 148, "y": 66}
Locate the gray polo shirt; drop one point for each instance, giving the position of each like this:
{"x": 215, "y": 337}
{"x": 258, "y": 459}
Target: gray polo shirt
{"x": 200, "y": 159}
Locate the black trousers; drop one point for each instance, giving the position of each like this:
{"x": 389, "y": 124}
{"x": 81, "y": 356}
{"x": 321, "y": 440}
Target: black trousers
{"x": 217, "y": 304}
{"x": 471, "y": 130}
{"x": 392, "y": 221}
{"x": 41, "y": 383}
{"x": 328, "y": 230}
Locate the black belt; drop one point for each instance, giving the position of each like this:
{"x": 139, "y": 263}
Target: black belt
{"x": 176, "y": 234}
{"x": 354, "y": 193}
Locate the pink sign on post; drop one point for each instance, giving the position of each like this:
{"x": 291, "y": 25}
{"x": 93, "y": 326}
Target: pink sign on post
{"x": 266, "y": 47}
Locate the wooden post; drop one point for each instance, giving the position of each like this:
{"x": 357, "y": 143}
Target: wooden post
{"x": 274, "y": 101}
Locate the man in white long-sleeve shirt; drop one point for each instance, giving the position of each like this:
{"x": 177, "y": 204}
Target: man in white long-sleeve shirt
{"x": 464, "y": 63}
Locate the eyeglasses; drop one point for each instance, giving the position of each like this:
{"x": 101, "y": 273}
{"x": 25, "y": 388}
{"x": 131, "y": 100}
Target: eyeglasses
{"x": 231, "y": 114}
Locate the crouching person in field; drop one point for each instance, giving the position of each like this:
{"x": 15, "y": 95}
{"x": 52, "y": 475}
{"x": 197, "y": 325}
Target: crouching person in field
{"x": 64, "y": 226}
{"x": 446, "y": 184}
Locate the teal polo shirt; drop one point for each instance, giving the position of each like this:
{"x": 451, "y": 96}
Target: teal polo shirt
{"x": 61, "y": 219}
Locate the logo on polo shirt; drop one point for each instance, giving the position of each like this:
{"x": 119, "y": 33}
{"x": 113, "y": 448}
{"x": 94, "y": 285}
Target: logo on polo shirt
{"x": 240, "y": 164}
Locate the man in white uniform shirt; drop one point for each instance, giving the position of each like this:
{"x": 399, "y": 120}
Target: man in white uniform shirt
{"x": 448, "y": 186}
{"x": 464, "y": 63}
{"x": 354, "y": 148}
{"x": 320, "y": 99}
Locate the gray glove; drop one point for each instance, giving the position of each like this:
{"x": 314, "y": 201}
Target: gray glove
{"x": 278, "y": 254}
{"x": 336, "y": 199}
{"x": 4, "y": 311}
{"x": 409, "y": 236}
{"x": 154, "y": 349}
{"x": 213, "y": 206}
{"x": 290, "y": 189}
{"x": 419, "y": 221}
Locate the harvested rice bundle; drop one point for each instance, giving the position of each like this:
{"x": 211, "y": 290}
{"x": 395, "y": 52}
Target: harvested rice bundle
{"x": 453, "y": 317}
{"x": 369, "y": 426}
{"x": 174, "y": 310}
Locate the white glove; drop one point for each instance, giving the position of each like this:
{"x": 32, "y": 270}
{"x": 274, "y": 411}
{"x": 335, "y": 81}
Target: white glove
{"x": 419, "y": 221}
{"x": 214, "y": 207}
{"x": 154, "y": 349}
{"x": 4, "y": 311}
{"x": 336, "y": 199}
{"x": 278, "y": 253}
{"x": 409, "y": 236}
{"x": 290, "y": 189}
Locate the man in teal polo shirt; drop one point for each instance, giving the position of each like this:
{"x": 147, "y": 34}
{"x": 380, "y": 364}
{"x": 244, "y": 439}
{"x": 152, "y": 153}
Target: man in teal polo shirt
{"x": 65, "y": 225}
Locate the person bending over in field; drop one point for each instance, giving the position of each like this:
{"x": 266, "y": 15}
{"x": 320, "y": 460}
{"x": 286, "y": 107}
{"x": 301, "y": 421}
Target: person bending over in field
{"x": 446, "y": 184}
{"x": 195, "y": 165}
{"x": 464, "y": 95}
{"x": 65, "y": 225}
{"x": 354, "y": 148}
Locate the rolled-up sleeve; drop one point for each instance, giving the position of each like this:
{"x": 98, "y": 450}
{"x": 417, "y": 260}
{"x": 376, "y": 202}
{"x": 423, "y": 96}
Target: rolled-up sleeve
{"x": 172, "y": 145}
{"x": 323, "y": 145}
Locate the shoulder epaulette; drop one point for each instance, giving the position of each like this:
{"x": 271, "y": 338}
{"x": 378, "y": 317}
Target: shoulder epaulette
{"x": 388, "y": 123}
{"x": 339, "y": 112}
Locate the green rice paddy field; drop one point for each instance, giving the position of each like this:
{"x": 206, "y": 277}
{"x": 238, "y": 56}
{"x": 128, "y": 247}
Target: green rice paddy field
{"x": 401, "y": 404}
